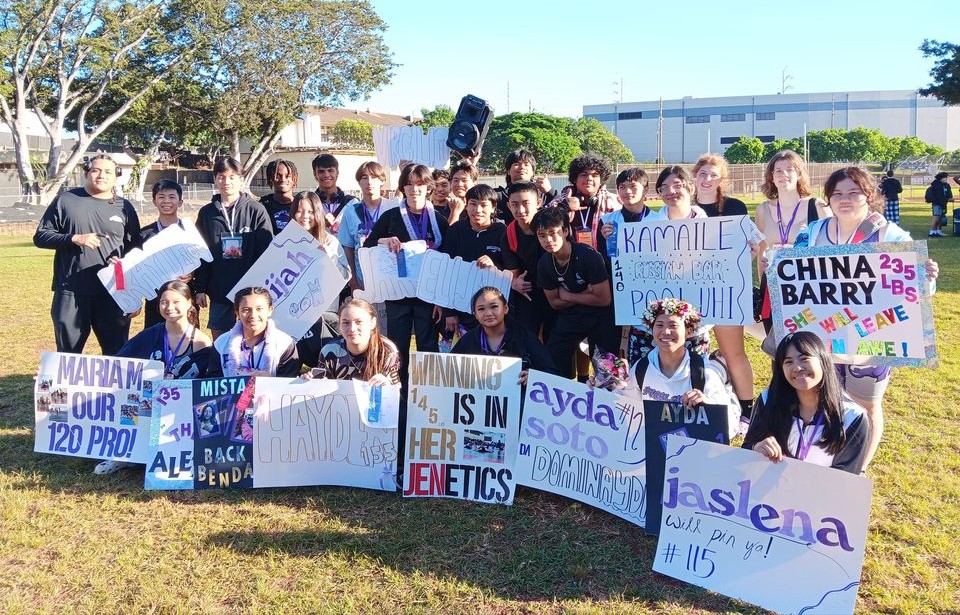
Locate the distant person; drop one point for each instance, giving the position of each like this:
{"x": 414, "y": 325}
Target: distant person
{"x": 282, "y": 177}
{"x": 237, "y": 231}
{"x": 938, "y": 195}
{"x": 891, "y": 188}
{"x": 326, "y": 170}
{"x": 521, "y": 166}
{"x": 167, "y": 197}
{"x": 89, "y": 228}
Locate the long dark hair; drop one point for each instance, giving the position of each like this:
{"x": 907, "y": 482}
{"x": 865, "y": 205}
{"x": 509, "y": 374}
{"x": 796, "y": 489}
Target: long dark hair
{"x": 377, "y": 350}
{"x": 182, "y": 289}
{"x": 777, "y": 418}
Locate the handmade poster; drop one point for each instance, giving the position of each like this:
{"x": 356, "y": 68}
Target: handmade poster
{"x": 95, "y": 407}
{"x": 785, "y": 536}
{"x": 870, "y": 303}
{"x": 451, "y": 282}
{"x": 705, "y": 261}
{"x": 708, "y": 422}
{"x": 463, "y": 416}
{"x": 388, "y": 276}
{"x": 325, "y": 432}
{"x": 223, "y": 412}
{"x": 170, "y": 465}
{"x": 395, "y": 143}
{"x": 302, "y": 280}
{"x": 166, "y": 256}
{"x": 582, "y": 443}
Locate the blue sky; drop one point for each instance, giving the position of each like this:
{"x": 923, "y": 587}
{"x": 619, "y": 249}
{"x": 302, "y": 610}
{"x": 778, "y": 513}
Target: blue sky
{"x": 562, "y": 55}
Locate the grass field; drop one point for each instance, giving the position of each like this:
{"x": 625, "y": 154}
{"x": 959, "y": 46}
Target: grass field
{"x": 74, "y": 542}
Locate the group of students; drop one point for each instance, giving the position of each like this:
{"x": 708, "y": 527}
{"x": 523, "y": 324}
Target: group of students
{"x": 558, "y": 246}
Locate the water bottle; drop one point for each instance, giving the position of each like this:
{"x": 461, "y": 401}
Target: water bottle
{"x": 612, "y": 242}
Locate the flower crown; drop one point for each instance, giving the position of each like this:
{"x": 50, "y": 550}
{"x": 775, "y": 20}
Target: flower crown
{"x": 672, "y": 307}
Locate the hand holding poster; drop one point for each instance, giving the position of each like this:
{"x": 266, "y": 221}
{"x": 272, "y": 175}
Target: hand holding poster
{"x": 582, "y": 443}
{"x": 388, "y": 276}
{"x": 302, "y": 280}
{"x": 169, "y": 254}
{"x": 870, "y": 303}
{"x": 704, "y": 261}
{"x": 463, "y": 416}
{"x": 321, "y": 432}
{"x": 97, "y": 407}
{"x": 785, "y": 536}
{"x": 451, "y": 282}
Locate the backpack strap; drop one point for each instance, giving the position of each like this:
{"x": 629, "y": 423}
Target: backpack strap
{"x": 698, "y": 372}
{"x": 640, "y": 371}
{"x": 813, "y": 213}
{"x": 512, "y": 240}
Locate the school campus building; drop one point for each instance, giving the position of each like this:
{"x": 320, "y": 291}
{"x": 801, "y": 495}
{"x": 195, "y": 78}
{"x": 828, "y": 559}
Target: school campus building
{"x": 681, "y": 130}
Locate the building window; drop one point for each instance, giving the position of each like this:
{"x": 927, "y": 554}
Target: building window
{"x": 767, "y": 138}
{"x": 631, "y": 115}
{"x": 733, "y": 117}
{"x": 766, "y": 116}
{"x": 698, "y": 119}
{"x": 728, "y": 140}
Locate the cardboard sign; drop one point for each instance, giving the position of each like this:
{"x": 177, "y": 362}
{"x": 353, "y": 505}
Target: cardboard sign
{"x": 223, "y": 413}
{"x": 708, "y": 422}
{"x": 95, "y": 407}
{"x": 388, "y": 276}
{"x": 395, "y": 143}
{"x": 166, "y": 256}
{"x": 325, "y": 432}
{"x": 785, "y": 536}
{"x": 452, "y": 282}
{"x": 869, "y": 302}
{"x": 171, "y": 436}
{"x": 704, "y": 261}
{"x": 582, "y": 443}
{"x": 463, "y": 416}
{"x": 302, "y": 280}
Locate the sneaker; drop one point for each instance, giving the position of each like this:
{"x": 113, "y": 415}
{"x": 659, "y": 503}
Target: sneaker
{"x": 933, "y": 234}
{"x": 110, "y": 466}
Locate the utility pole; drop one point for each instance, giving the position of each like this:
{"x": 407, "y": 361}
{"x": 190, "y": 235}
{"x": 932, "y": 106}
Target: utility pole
{"x": 784, "y": 77}
{"x": 660, "y": 134}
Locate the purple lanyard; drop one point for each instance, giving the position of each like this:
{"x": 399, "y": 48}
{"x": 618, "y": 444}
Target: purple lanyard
{"x": 804, "y": 447}
{"x": 251, "y": 352}
{"x": 421, "y": 227}
{"x": 368, "y": 219}
{"x": 485, "y": 345}
{"x": 785, "y": 233}
{"x": 168, "y": 357}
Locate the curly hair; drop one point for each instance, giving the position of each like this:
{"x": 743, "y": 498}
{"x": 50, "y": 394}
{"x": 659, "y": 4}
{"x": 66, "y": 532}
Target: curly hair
{"x": 589, "y": 162}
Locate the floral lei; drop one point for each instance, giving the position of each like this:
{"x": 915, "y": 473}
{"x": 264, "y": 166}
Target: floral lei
{"x": 698, "y": 340}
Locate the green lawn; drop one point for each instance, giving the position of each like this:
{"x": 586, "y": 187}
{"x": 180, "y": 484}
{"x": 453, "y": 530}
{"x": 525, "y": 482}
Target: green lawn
{"x": 74, "y": 542}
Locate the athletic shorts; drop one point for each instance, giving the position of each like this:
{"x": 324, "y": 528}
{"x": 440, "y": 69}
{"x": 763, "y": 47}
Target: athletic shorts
{"x": 939, "y": 210}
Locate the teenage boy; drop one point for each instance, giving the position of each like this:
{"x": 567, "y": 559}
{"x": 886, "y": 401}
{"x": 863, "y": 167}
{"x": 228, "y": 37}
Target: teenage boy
{"x": 575, "y": 282}
{"x": 521, "y": 166}
{"x": 586, "y": 198}
{"x": 521, "y": 254}
{"x": 463, "y": 176}
{"x": 167, "y": 198}
{"x": 326, "y": 170}
{"x": 441, "y": 192}
{"x": 88, "y": 228}
{"x": 282, "y": 177}
{"x": 476, "y": 239}
{"x": 358, "y": 219}
{"x": 632, "y": 190}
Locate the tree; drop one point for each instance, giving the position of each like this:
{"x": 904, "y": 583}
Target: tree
{"x": 769, "y": 149}
{"x": 594, "y": 137}
{"x": 945, "y": 72}
{"x": 353, "y": 133}
{"x": 440, "y": 115}
{"x": 745, "y": 151}
{"x": 549, "y": 138}
{"x": 826, "y": 145}
{"x": 60, "y": 59}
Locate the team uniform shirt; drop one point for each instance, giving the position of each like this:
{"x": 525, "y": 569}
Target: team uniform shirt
{"x": 75, "y": 212}
{"x": 431, "y": 228}
{"x": 279, "y": 213}
{"x": 585, "y": 268}
{"x": 357, "y": 223}
{"x": 517, "y": 342}
{"x": 237, "y": 237}
{"x": 851, "y": 455}
{"x": 336, "y": 362}
{"x": 503, "y": 208}
{"x": 179, "y": 363}
{"x": 731, "y": 207}
{"x": 657, "y": 387}
{"x": 462, "y": 240}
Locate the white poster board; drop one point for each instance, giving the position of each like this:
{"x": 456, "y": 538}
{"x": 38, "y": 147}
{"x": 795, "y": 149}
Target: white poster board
{"x": 869, "y": 302}
{"x": 381, "y": 269}
{"x": 785, "y": 536}
{"x": 463, "y": 415}
{"x": 166, "y": 256}
{"x": 705, "y": 261}
{"x": 451, "y": 282}
{"x": 302, "y": 280}
{"x": 170, "y": 463}
{"x": 96, "y": 407}
{"x": 582, "y": 443}
{"x": 395, "y": 143}
{"x": 324, "y": 432}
